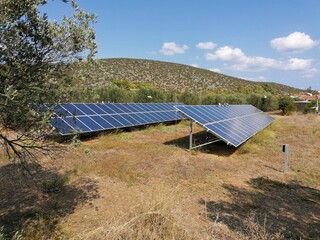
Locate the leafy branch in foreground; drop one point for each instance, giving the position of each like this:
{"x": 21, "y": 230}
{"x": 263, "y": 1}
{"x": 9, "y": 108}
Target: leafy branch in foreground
{"x": 34, "y": 53}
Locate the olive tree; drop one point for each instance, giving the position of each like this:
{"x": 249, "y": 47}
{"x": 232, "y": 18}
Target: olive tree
{"x": 286, "y": 105}
{"x": 34, "y": 53}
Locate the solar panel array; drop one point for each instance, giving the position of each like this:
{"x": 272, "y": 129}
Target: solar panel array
{"x": 74, "y": 118}
{"x": 233, "y": 124}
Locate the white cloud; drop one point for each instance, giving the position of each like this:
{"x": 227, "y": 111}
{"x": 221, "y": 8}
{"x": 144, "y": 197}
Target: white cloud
{"x": 260, "y": 63}
{"x": 295, "y": 42}
{"x": 194, "y": 65}
{"x": 215, "y": 70}
{"x": 206, "y": 45}
{"x": 298, "y": 64}
{"x": 241, "y": 62}
{"x": 257, "y": 64}
{"x": 226, "y": 53}
{"x": 171, "y": 48}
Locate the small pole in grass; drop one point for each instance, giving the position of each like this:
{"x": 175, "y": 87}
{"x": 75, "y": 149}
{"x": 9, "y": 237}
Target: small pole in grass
{"x": 285, "y": 149}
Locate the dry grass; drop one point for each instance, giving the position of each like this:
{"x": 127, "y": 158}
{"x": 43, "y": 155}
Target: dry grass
{"x": 146, "y": 185}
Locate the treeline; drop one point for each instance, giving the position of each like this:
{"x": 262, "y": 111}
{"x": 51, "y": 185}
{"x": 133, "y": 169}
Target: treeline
{"x": 124, "y": 91}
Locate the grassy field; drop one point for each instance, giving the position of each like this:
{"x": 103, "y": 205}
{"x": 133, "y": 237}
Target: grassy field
{"x": 144, "y": 184}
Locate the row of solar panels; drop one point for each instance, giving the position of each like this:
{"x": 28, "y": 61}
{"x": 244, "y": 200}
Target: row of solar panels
{"x": 89, "y": 117}
{"x": 234, "y": 124}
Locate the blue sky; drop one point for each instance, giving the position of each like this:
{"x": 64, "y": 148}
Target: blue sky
{"x": 269, "y": 40}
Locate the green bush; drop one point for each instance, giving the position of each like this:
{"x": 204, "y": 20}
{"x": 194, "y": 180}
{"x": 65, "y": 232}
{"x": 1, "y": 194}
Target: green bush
{"x": 172, "y": 97}
{"x": 255, "y": 100}
{"x": 125, "y": 84}
{"x": 286, "y": 105}
{"x": 212, "y": 99}
{"x": 270, "y": 103}
{"x": 235, "y": 98}
{"x": 144, "y": 95}
{"x": 309, "y": 107}
{"x": 189, "y": 98}
{"x": 268, "y": 88}
{"x": 115, "y": 94}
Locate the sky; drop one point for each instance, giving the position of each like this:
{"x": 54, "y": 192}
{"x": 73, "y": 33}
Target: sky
{"x": 260, "y": 40}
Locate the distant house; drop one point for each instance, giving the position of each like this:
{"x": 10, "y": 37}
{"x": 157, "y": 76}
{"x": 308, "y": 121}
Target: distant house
{"x": 303, "y": 99}
{"x": 306, "y": 97}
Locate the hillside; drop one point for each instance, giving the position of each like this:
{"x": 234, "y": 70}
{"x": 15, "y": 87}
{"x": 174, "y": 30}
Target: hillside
{"x": 168, "y": 76}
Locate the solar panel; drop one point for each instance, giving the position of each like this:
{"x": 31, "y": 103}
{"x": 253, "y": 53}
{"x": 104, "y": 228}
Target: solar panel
{"x": 234, "y": 124}
{"x": 71, "y": 118}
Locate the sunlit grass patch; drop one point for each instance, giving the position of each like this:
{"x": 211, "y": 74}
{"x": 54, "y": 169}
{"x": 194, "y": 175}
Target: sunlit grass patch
{"x": 125, "y": 136}
{"x": 153, "y": 218}
{"x": 121, "y": 169}
{"x": 262, "y": 139}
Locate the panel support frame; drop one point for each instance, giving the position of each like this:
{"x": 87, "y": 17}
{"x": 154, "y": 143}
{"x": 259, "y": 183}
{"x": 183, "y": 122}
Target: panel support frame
{"x": 191, "y": 147}
{"x": 190, "y": 135}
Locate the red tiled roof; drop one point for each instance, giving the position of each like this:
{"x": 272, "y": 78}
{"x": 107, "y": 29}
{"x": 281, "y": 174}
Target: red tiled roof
{"x": 307, "y": 97}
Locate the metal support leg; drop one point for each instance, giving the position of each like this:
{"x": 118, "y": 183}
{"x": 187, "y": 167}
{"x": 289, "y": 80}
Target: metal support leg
{"x": 190, "y": 136}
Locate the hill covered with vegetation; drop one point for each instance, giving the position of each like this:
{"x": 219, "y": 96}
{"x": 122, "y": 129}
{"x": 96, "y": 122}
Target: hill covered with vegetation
{"x": 169, "y": 77}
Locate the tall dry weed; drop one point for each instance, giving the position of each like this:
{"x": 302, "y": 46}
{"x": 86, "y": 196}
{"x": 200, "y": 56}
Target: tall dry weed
{"x": 153, "y": 219}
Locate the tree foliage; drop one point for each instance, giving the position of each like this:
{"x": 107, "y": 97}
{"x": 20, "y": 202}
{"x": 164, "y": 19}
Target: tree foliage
{"x": 286, "y": 105}
{"x": 34, "y": 53}
{"x": 311, "y": 107}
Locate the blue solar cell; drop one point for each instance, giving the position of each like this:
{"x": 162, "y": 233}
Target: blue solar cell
{"x": 131, "y": 119}
{"x": 102, "y": 122}
{"x": 96, "y": 108}
{"x": 122, "y": 107}
{"x": 112, "y": 121}
{"x": 85, "y": 109}
{"x": 144, "y": 107}
{"x": 115, "y": 108}
{"x": 77, "y": 125}
{"x": 131, "y": 108}
{"x": 89, "y": 117}
{"x": 159, "y": 116}
{"x": 136, "y": 107}
{"x": 61, "y": 126}
{"x": 73, "y": 110}
{"x": 169, "y": 116}
{"x": 153, "y": 118}
{"x": 122, "y": 120}
{"x": 140, "y": 120}
{"x": 192, "y": 114}
{"x": 61, "y": 112}
{"x": 106, "y": 108}
{"x": 176, "y": 115}
{"x": 233, "y": 124}
{"x": 146, "y": 118}
{"x": 219, "y": 132}
{"x": 158, "y": 107}
{"x": 93, "y": 125}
